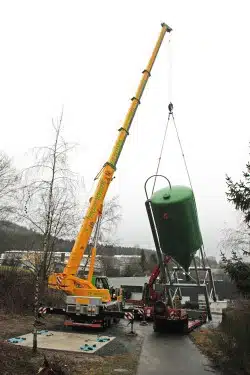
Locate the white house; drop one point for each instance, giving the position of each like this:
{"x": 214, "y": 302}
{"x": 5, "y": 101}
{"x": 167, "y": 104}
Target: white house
{"x": 28, "y": 258}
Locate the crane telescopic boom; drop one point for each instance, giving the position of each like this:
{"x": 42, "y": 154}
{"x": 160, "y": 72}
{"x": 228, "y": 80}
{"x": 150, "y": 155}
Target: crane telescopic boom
{"x": 107, "y": 172}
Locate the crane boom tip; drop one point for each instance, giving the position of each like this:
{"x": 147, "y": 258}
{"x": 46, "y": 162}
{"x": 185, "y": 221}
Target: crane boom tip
{"x": 169, "y": 29}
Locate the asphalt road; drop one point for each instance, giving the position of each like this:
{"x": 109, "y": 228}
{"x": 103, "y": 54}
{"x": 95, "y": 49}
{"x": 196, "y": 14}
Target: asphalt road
{"x": 164, "y": 354}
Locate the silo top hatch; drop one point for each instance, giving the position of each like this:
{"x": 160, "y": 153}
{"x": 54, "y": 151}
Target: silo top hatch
{"x": 174, "y": 195}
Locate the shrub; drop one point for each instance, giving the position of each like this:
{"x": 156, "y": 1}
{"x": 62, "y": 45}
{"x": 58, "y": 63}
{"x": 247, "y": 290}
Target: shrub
{"x": 233, "y": 338}
{"x": 17, "y": 288}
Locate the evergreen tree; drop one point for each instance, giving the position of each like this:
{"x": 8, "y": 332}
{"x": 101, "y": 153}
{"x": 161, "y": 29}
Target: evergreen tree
{"x": 239, "y": 195}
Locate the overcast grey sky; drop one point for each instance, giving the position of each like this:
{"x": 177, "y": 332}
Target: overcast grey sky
{"x": 89, "y": 55}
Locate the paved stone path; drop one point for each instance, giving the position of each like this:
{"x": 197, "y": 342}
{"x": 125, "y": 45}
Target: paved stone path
{"x": 164, "y": 354}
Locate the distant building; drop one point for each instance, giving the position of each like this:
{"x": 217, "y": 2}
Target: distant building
{"x": 27, "y": 259}
{"x": 121, "y": 261}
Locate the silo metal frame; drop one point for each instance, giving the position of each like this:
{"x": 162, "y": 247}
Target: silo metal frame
{"x": 170, "y": 278}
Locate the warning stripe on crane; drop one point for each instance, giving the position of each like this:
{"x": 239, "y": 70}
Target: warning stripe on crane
{"x": 59, "y": 279}
{"x": 140, "y": 312}
{"x": 129, "y": 316}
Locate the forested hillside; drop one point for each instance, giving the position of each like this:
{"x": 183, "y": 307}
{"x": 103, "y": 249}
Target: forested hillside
{"x": 16, "y": 237}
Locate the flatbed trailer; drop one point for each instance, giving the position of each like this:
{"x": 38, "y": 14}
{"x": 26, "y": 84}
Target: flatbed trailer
{"x": 193, "y": 319}
{"x": 178, "y": 320}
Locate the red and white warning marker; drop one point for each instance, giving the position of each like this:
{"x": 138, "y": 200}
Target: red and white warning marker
{"x": 140, "y": 312}
{"x": 129, "y": 316}
{"x": 42, "y": 310}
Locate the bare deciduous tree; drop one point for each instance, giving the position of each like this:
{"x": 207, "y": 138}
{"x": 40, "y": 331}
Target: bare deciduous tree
{"x": 111, "y": 217}
{"x": 236, "y": 240}
{"x": 48, "y": 202}
{"x": 9, "y": 180}
{"x": 107, "y": 264}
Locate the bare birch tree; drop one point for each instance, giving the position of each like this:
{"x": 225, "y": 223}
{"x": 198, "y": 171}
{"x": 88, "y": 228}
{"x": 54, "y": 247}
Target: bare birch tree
{"x": 48, "y": 202}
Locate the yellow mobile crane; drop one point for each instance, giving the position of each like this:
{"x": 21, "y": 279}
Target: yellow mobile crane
{"x": 83, "y": 293}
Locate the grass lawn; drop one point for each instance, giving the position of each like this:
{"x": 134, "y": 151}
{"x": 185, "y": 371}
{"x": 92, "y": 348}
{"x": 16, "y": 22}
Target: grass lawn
{"x": 20, "y": 360}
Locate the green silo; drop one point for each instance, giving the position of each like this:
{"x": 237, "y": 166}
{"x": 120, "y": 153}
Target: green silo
{"x": 177, "y": 223}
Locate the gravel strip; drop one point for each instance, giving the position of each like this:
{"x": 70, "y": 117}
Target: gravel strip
{"x": 123, "y": 343}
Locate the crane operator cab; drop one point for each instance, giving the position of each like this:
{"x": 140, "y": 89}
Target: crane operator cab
{"x": 101, "y": 282}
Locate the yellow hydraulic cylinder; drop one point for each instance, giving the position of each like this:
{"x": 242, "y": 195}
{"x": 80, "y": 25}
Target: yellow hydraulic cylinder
{"x": 92, "y": 264}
